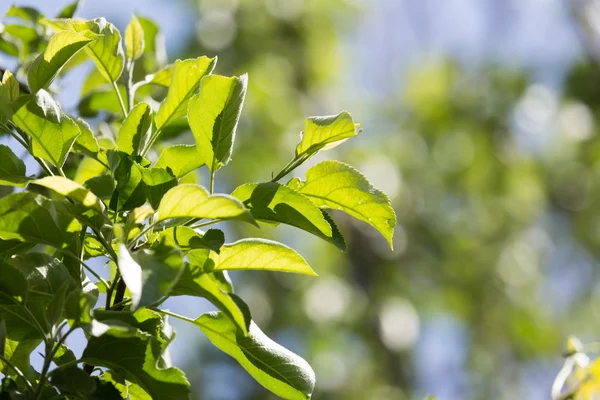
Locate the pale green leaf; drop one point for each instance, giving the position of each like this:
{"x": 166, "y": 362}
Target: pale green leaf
{"x": 11, "y": 84}
{"x": 324, "y": 133}
{"x": 213, "y": 115}
{"x": 279, "y": 370}
{"x": 133, "y": 134}
{"x": 338, "y": 186}
{"x": 85, "y": 143}
{"x": 52, "y": 131}
{"x": 162, "y": 77}
{"x": 12, "y": 168}
{"x": 134, "y": 39}
{"x": 72, "y": 190}
{"x": 193, "y": 201}
{"x": 61, "y": 47}
{"x": 181, "y": 159}
{"x": 106, "y": 52}
{"x": 275, "y": 203}
{"x": 259, "y": 254}
{"x": 186, "y": 78}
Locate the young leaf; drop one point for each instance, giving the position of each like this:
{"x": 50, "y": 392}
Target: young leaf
{"x": 273, "y": 202}
{"x": 12, "y": 168}
{"x": 134, "y": 39}
{"x": 338, "y": 186}
{"x": 161, "y": 78}
{"x": 25, "y": 213}
{"x": 279, "y": 370}
{"x": 158, "y": 181}
{"x": 213, "y": 115}
{"x": 193, "y": 201}
{"x": 61, "y": 47}
{"x": 149, "y": 274}
{"x": 186, "y": 78}
{"x": 52, "y": 131}
{"x": 259, "y": 254}
{"x": 72, "y": 190}
{"x": 181, "y": 159}
{"x": 106, "y": 52}
{"x": 133, "y": 133}
{"x": 12, "y": 85}
{"x": 187, "y": 239}
{"x": 324, "y": 133}
{"x": 69, "y": 10}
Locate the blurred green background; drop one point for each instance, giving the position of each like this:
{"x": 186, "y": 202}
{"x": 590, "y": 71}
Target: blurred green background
{"x": 480, "y": 120}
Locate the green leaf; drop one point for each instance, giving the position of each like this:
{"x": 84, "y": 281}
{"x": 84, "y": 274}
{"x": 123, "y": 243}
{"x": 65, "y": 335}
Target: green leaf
{"x": 28, "y": 217}
{"x": 259, "y": 254}
{"x": 61, "y": 47}
{"x": 72, "y": 190}
{"x": 2, "y": 337}
{"x": 63, "y": 355}
{"x": 85, "y": 143}
{"x": 74, "y": 381}
{"x": 279, "y": 370}
{"x": 106, "y": 52}
{"x": 52, "y": 131}
{"x": 186, "y": 78}
{"x": 12, "y": 168}
{"x": 8, "y": 47}
{"x": 134, "y": 130}
{"x": 149, "y": 274}
{"x": 162, "y": 77}
{"x": 324, "y": 133}
{"x": 130, "y": 191}
{"x": 54, "y": 312}
{"x": 338, "y": 186}
{"x": 102, "y": 186}
{"x": 187, "y": 239}
{"x": 158, "y": 181}
{"x": 28, "y": 14}
{"x": 69, "y": 10}
{"x": 213, "y": 115}
{"x": 181, "y": 159}
{"x": 138, "y": 358}
{"x": 193, "y": 201}
{"x": 45, "y": 275}
{"x": 11, "y": 84}
{"x": 273, "y": 202}
{"x": 134, "y": 39}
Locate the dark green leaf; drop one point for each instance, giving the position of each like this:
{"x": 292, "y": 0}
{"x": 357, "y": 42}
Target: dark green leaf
{"x": 2, "y": 337}
{"x": 12, "y": 168}
{"x": 279, "y": 370}
{"x": 213, "y": 115}
{"x": 158, "y": 181}
{"x": 69, "y": 10}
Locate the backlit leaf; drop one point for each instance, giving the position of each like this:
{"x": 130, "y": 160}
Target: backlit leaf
{"x": 181, "y": 159}
{"x": 72, "y": 190}
{"x": 134, "y": 39}
{"x": 338, "y": 186}
{"x": 324, "y": 133}
{"x": 12, "y": 168}
{"x": 213, "y": 115}
{"x": 133, "y": 133}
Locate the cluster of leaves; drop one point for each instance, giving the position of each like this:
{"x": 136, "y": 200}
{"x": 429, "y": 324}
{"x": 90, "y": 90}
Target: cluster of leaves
{"x": 144, "y": 214}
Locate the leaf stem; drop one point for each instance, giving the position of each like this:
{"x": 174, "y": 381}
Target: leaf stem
{"x": 151, "y": 141}
{"x": 172, "y": 314}
{"x": 87, "y": 267}
{"x": 121, "y": 103}
{"x": 139, "y": 236}
{"x": 292, "y": 165}
{"x": 18, "y": 372}
{"x": 44, "y": 372}
{"x": 212, "y": 181}
{"x": 129, "y": 92}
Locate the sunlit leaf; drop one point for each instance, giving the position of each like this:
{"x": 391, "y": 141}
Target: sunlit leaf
{"x": 134, "y": 39}
{"x": 52, "y": 131}
{"x": 72, "y": 190}
{"x": 61, "y": 47}
{"x": 273, "y": 366}
{"x": 158, "y": 181}
{"x": 133, "y": 133}
{"x": 338, "y": 186}
{"x": 181, "y": 159}
{"x": 186, "y": 78}
{"x": 162, "y": 77}
{"x": 323, "y": 133}
{"x": 275, "y": 203}
{"x": 193, "y": 201}
{"x": 213, "y": 115}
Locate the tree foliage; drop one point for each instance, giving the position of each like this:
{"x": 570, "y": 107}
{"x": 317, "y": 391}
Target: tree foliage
{"x": 141, "y": 214}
